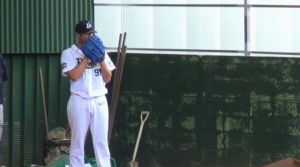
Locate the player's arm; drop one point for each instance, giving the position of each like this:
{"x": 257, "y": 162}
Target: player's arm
{"x": 4, "y": 71}
{"x": 77, "y": 72}
{"x": 106, "y": 72}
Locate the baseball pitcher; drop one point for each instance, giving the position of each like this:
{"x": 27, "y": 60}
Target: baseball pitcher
{"x": 89, "y": 68}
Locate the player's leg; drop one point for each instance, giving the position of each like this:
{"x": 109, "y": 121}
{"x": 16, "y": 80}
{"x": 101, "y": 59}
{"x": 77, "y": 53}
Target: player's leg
{"x": 1, "y": 120}
{"x": 1, "y": 127}
{"x": 99, "y": 130}
{"x": 79, "y": 118}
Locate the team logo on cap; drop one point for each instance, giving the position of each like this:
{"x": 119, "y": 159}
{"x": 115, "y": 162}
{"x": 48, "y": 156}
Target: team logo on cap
{"x": 88, "y": 25}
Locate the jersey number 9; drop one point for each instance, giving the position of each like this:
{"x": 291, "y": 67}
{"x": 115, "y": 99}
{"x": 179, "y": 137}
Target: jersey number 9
{"x": 97, "y": 72}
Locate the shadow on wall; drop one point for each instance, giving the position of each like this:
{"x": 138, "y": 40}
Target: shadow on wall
{"x": 209, "y": 110}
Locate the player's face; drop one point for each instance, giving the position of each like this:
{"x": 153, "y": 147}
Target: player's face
{"x": 85, "y": 36}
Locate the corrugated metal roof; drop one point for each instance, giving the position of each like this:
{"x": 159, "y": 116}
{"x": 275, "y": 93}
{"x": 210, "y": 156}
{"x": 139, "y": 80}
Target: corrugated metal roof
{"x": 35, "y": 26}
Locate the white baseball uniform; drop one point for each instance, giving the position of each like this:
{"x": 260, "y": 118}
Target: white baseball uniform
{"x": 3, "y": 77}
{"x": 1, "y": 120}
{"x": 87, "y": 108}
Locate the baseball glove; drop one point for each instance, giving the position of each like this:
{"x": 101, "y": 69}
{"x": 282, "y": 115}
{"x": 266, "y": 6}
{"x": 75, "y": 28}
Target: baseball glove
{"x": 93, "y": 49}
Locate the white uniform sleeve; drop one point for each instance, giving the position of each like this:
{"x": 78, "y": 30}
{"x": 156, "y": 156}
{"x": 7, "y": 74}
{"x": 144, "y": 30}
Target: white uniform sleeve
{"x": 67, "y": 61}
{"x": 108, "y": 62}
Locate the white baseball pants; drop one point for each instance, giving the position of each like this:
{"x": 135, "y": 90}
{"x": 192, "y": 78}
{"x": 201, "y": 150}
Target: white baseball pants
{"x": 1, "y": 120}
{"x": 83, "y": 114}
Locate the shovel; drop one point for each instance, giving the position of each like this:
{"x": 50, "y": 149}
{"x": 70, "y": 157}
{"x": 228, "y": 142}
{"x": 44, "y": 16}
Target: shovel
{"x": 144, "y": 116}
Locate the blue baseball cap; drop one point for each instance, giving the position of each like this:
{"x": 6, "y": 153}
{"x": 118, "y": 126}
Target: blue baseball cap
{"x": 84, "y": 26}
